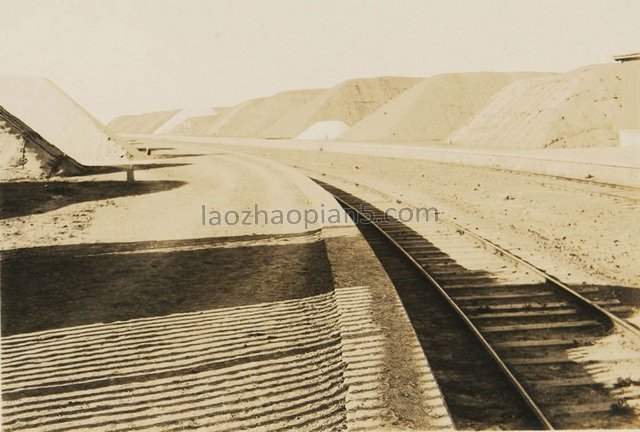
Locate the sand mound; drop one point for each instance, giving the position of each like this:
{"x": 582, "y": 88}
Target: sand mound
{"x": 580, "y": 108}
{"x": 348, "y": 102}
{"x": 251, "y": 118}
{"x": 146, "y": 123}
{"x": 199, "y": 124}
{"x": 60, "y": 121}
{"x": 324, "y": 130}
{"x": 433, "y": 108}
{"x": 232, "y": 117}
{"x": 194, "y": 125}
{"x": 181, "y": 116}
{"x": 25, "y": 154}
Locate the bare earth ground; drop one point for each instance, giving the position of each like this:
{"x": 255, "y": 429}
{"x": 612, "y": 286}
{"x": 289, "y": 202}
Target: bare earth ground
{"x": 84, "y": 250}
{"x": 579, "y": 231}
{"x": 121, "y": 310}
{"x": 102, "y": 237}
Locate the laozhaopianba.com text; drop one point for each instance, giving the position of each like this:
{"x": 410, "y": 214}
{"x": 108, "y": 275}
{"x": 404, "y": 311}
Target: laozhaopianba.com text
{"x": 312, "y": 216}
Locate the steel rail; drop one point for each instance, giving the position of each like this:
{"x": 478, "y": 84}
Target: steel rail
{"x": 595, "y": 309}
{"x": 528, "y": 400}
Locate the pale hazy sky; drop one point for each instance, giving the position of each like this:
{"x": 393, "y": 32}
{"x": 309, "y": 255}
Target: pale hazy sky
{"x": 117, "y": 57}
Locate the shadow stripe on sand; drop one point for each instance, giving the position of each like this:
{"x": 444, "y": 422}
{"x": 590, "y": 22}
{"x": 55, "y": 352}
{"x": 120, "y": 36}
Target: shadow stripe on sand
{"x": 174, "y": 343}
{"x": 184, "y": 362}
{"x": 122, "y": 401}
{"x": 15, "y": 342}
{"x": 225, "y": 377}
{"x": 247, "y": 372}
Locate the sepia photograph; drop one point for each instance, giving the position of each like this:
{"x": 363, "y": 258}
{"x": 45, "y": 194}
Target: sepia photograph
{"x": 319, "y": 215}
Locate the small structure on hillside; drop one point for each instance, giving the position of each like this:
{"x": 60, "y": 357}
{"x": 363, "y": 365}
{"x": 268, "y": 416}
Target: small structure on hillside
{"x": 630, "y": 130}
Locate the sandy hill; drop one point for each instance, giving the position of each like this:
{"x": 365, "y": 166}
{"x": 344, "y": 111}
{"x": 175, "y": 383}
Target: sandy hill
{"x": 180, "y": 117}
{"x": 25, "y": 154}
{"x": 194, "y": 125}
{"x": 433, "y": 108}
{"x": 146, "y": 123}
{"x": 227, "y": 118}
{"x": 251, "y": 118}
{"x": 580, "y": 108}
{"x": 60, "y": 120}
{"x": 324, "y": 131}
{"x": 348, "y": 102}
{"x": 198, "y": 124}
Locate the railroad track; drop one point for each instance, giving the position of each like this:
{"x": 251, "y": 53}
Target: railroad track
{"x": 530, "y": 324}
